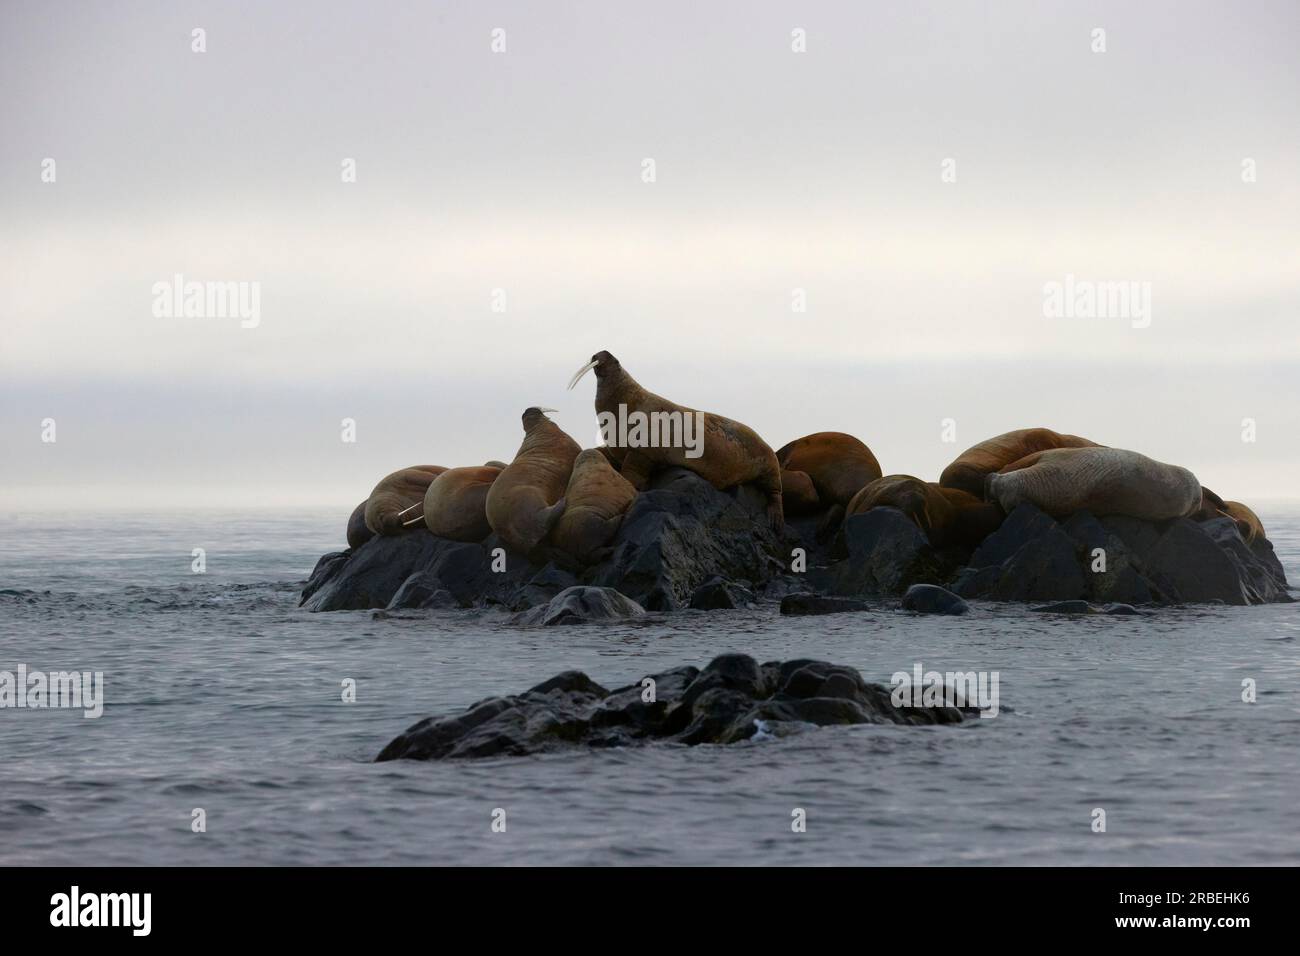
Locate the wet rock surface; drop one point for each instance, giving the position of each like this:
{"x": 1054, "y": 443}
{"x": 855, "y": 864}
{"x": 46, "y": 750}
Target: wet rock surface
{"x": 686, "y": 544}
{"x": 580, "y": 605}
{"x": 932, "y": 599}
{"x": 733, "y": 699}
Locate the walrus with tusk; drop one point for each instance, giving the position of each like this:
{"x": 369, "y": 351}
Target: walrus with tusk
{"x": 725, "y": 452}
{"x": 527, "y": 498}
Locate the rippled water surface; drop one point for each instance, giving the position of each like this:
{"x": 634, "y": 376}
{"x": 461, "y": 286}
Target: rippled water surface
{"x": 222, "y": 695}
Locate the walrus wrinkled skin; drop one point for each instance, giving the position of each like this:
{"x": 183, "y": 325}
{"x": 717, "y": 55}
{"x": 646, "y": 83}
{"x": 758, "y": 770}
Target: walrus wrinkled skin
{"x": 971, "y": 467}
{"x": 396, "y": 493}
{"x": 733, "y": 454}
{"x": 594, "y": 503}
{"x": 358, "y": 533}
{"x": 455, "y": 506}
{"x": 949, "y": 517}
{"x": 525, "y": 501}
{"x": 838, "y": 465}
{"x": 1105, "y": 481}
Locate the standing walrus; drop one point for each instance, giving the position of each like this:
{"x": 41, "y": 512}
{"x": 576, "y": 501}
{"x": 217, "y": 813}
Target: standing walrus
{"x": 594, "y": 503}
{"x": 948, "y": 516}
{"x": 455, "y": 506}
{"x": 729, "y": 453}
{"x": 972, "y": 465}
{"x": 397, "y": 493}
{"x": 1105, "y": 481}
{"x": 526, "y": 500}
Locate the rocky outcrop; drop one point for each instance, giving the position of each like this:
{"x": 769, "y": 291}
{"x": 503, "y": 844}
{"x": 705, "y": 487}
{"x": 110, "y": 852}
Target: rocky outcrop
{"x": 1119, "y": 560}
{"x": 732, "y": 699}
{"x": 685, "y": 544}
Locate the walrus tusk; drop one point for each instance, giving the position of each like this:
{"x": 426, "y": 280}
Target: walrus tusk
{"x": 581, "y": 372}
{"x": 417, "y": 520}
{"x": 555, "y": 410}
{"x": 406, "y": 511}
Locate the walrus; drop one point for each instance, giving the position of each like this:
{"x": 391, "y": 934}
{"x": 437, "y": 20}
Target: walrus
{"x": 948, "y": 516}
{"x": 526, "y": 500}
{"x": 838, "y": 464}
{"x": 455, "y": 506}
{"x": 730, "y": 453}
{"x": 969, "y": 469}
{"x": 1248, "y": 523}
{"x": 358, "y": 533}
{"x": 594, "y": 502}
{"x": 1105, "y": 481}
{"x": 396, "y": 494}
{"x": 798, "y": 495}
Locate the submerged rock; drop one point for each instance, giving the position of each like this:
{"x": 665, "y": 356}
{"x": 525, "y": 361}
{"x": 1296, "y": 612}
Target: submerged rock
{"x": 719, "y": 595}
{"x": 731, "y": 700}
{"x": 581, "y": 605}
{"x": 932, "y": 599}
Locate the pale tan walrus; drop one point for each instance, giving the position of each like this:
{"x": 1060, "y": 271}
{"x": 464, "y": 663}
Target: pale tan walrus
{"x": 455, "y": 506}
{"x": 526, "y": 500}
{"x": 594, "y": 503}
{"x": 1104, "y": 481}
{"x": 731, "y": 453}
{"x": 396, "y": 494}
{"x": 971, "y": 467}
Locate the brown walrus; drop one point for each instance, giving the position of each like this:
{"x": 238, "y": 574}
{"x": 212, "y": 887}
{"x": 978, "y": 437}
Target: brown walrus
{"x": 969, "y": 469}
{"x": 723, "y": 452}
{"x": 838, "y": 464}
{"x": 594, "y": 503}
{"x": 1105, "y": 481}
{"x": 948, "y": 516}
{"x": 358, "y": 533}
{"x": 526, "y": 500}
{"x": 798, "y": 496}
{"x": 396, "y": 494}
{"x": 455, "y": 506}
{"x": 1248, "y": 523}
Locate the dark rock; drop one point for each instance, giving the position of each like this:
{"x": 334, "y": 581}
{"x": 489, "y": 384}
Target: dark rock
{"x": 886, "y": 554}
{"x": 579, "y": 605}
{"x": 1023, "y": 525}
{"x": 932, "y": 599}
{"x": 717, "y": 595}
{"x": 326, "y": 567}
{"x": 374, "y": 572}
{"x": 1188, "y": 566}
{"x": 732, "y": 699}
{"x": 680, "y": 533}
{"x": 1264, "y": 579}
{"x": 820, "y": 604}
{"x": 543, "y": 586}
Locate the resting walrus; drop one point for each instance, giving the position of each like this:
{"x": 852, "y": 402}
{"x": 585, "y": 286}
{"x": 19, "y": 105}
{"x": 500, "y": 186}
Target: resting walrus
{"x": 396, "y": 494}
{"x": 948, "y": 516}
{"x": 730, "y": 453}
{"x": 526, "y": 499}
{"x": 969, "y": 469}
{"x": 1105, "y": 481}
{"x": 594, "y": 502}
{"x": 455, "y": 506}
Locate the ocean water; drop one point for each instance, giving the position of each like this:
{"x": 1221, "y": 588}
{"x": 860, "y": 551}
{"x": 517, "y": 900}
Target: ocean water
{"x": 222, "y": 695}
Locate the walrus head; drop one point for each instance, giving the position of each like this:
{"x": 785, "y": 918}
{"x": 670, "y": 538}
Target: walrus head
{"x": 534, "y": 416}
{"x": 603, "y": 362}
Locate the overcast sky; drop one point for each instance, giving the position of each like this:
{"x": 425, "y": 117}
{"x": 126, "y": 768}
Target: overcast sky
{"x": 522, "y": 171}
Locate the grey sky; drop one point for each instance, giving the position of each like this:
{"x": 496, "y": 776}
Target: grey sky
{"x": 522, "y": 171}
